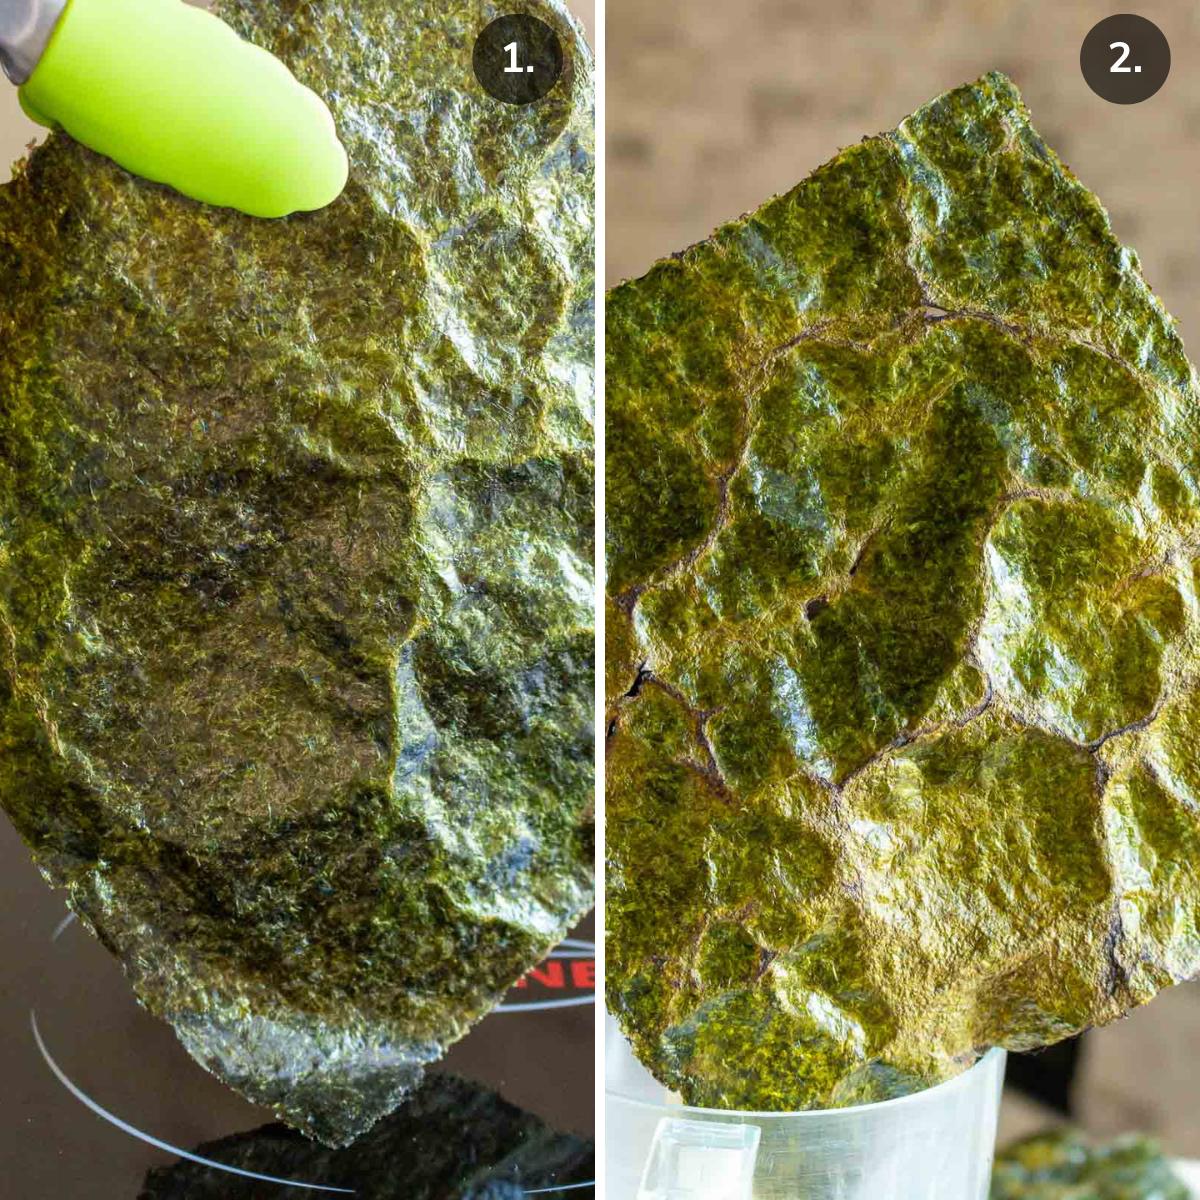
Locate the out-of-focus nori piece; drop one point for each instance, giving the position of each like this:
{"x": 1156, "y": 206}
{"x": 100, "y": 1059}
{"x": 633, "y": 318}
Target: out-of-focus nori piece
{"x": 1064, "y": 1165}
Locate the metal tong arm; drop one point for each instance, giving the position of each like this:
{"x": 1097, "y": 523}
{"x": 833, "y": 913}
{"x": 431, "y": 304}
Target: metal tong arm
{"x": 25, "y": 29}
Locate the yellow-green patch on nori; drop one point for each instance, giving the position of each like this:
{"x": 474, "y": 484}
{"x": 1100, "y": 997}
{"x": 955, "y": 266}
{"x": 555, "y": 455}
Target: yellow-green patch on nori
{"x": 903, "y": 496}
{"x": 295, "y": 545}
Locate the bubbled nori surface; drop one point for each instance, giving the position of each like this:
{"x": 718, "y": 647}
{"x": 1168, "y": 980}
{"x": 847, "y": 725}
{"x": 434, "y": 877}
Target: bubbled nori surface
{"x": 903, "y": 506}
{"x": 454, "y": 1140}
{"x": 1062, "y": 1165}
{"x": 294, "y": 575}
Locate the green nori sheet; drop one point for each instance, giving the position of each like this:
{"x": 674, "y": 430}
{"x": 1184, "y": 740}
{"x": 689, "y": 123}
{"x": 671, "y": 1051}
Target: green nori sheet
{"x": 903, "y": 508}
{"x": 295, "y": 563}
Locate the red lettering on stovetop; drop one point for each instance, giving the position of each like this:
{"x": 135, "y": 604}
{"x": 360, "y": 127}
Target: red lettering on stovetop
{"x": 549, "y": 974}
{"x": 553, "y": 974}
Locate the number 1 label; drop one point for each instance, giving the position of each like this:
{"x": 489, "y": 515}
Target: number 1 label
{"x": 517, "y": 59}
{"x": 514, "y": 67}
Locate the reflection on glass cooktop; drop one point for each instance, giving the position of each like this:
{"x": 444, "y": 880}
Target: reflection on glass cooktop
{"x": 455, "y": 1140}
{"x": 102, "y": 1103}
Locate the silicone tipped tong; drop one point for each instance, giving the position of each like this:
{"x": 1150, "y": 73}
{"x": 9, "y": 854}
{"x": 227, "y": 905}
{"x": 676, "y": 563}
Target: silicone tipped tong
{"x": 171, "y": 93}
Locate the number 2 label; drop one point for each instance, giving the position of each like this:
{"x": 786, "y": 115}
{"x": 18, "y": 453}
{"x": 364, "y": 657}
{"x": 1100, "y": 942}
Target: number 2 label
{"x": 1116, "y": 68}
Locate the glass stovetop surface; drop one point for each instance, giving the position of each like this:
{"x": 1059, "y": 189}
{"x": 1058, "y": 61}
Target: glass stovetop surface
{"x": 475, "y": 1136}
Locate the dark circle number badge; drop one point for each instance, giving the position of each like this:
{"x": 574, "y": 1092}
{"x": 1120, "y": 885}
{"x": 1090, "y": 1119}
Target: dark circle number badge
{"x": 517, "y": 59}
{"x": 1125, "y": 59}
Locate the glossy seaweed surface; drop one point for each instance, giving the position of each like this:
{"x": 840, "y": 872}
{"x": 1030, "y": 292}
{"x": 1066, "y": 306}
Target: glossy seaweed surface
{"x": 903, "y": 495}
{"x": 1063, "y": 1165}
{"x": 295, "y": 545}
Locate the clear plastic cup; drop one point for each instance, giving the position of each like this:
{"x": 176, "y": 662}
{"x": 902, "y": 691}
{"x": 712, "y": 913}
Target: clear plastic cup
{"x": 933, "y": 1145}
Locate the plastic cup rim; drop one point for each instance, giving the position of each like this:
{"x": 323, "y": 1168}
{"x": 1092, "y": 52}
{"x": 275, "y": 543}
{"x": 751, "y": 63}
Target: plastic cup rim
{"x": 945, "y": 1087}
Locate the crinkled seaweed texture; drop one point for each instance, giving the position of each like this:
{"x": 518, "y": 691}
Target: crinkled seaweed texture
{"x": 454, "y": 1140}
{"x": 1063, "y": 1165}
{"x": 903, "y": 496}
{"x": 295, "y": 545}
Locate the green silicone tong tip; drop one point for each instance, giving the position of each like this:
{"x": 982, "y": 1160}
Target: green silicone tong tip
{"x": 171, "y": 93}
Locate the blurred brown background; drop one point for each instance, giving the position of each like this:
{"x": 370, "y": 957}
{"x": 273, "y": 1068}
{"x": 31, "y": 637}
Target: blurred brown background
{"x": 715, "y": 105}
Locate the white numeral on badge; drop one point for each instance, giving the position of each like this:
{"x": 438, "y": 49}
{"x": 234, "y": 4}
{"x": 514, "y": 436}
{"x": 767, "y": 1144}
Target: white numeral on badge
{"x": 1116, "y": 68}
{"x": 515, "y": 68}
